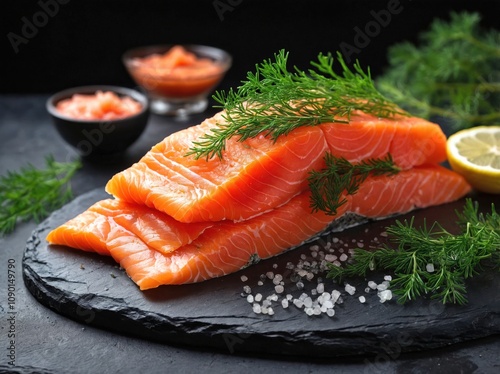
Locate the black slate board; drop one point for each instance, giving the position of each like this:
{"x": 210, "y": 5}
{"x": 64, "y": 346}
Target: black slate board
{"x": 94, "y": 290}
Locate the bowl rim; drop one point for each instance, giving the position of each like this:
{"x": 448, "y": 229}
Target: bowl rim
{"x": 130, "y": 61}
{"x": 92, "y": 89}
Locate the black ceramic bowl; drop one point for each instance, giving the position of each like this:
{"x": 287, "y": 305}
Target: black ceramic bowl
{"x": 102, "y": 137}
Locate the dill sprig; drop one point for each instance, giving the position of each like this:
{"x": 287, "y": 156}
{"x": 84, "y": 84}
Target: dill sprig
{"x": 33, "y": 193}
{"x": 339, "y": 178}
{"x": 274, "y": 101}
{"x": 432, "y": 260}
{"x": 453, "y": 73}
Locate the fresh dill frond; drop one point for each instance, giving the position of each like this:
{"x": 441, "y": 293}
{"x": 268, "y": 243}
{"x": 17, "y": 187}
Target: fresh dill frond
{"x": 339, "y": 178}
{"x": 33, "y": 193}
{"x": 432, "y": 260}
{"x": 453, "y": 72}
{"x": 275, "y": 100}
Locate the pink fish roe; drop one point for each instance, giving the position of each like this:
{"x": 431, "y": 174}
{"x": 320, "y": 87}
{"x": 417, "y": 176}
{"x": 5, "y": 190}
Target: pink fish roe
{"x": 99, "y": 106}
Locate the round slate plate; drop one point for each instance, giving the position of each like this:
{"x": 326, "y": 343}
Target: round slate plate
{"x": 215, "y": 314}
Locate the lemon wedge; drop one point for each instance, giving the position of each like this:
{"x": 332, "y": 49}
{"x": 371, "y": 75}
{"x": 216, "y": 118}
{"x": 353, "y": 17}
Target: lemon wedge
{"x": 475, "y": 154}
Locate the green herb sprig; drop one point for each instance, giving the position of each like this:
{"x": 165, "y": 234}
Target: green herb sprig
{"x": 453, "y": 258}
{"x": 274, "y": 101}
{"x": 453, "y": 72}
{"x": 340, "y": 178}
{"x": 33, "y": 193}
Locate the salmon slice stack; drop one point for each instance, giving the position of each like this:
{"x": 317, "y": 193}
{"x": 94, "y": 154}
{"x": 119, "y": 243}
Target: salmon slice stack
{"x": 175, "y": 219}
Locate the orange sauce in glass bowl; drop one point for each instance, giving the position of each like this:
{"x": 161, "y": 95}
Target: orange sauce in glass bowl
{"x": 177, "y": 73}
{"x": 99, "y": 106}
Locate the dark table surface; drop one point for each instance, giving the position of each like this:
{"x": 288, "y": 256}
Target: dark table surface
{"x": 54, "y": 344}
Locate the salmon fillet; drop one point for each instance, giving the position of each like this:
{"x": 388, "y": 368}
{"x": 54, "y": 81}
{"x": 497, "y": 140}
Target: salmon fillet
{"x": 258, "y": 174}
{"x": 227, "y": 246}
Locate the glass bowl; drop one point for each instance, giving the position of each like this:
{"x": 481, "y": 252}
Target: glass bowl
{"x": 177, "y": 88}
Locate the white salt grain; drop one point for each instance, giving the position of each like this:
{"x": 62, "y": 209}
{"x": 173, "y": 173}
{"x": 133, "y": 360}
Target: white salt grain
{"x": 250, "y": 299}
{"x": 320, "y": 288}
{"x": 343, "y": 257}
{"x": 350, "y": 289}
{"x": 244, "y": 278}
{"x": 372, "y": 285}
{"x": 335, "y": 296}
{"x": 330, "y": 258}
{"x": 361, "y": 299}
{"x": 247, "y": 289}
{"x": 256, "y": 308}
{"x": 429, "y": 268}
{"x": 388, "y": 278}
{"x": 258, "y": 297}
{"x": 330, "y": 312}
{"x": 279, "y": 289}
{"x": 385, "y": 295}
{"x": 270, "y": 274}
{"x": 284, "y": 303}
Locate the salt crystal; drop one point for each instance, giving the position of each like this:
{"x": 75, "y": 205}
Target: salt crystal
{"x": 303, "y": 256}
{"x": 360, "y": 245}
{"x": 308, "y": 302}
{"x": 388, "y": 278}
{"x": 270, "y": 274}
{"x": 382, "y": 287}
{"x": 277, "y": 278}
{"x": 367, "y": 289}
{"x": 384, "y": 234}
{"x": 244, "y": 278}
{"x": 298, "y": 303}
{"x": 258, "y": 297}
{"x": 275, "y": 266}
{"x": 350, "y": 289}
{"x": 250, "y": 299}
{"x": 284, "y": 303}
{"x": 320, "y": 288}
{"x": 330, "y": 258}
{"x": 314, "y": 247}
{"x": 272, "y": 297}
{"x": 385, "y": 295}
{"x": 302, "y": 273}
{"x": 328, "y": 304}
{"x": 316, "y": 310}
{"x": 309, "y": 311}
{"x": 326, "y": 296}
{"x": 362, "y": 299}
{"x": 270, "y": 311}
{"x": 309, "y": 276}
{"x": 372, "y": 285}
{"x": 429, "y": 268}
{"x": 256, "y": 308}
{"x": 335, "y": 296}
{"x": 260, "y": 283}
{"x": 330, "y": 312}
{"x": 335, "y": 240}
{"x": 264, "y": 310}
{"x": 290, "y": 265}
{"x": 289, "y": 297}
{"x": 299, "y": 285}
{"x": 279, "y": 289}
{"x": 343, "y": 257}
{"x": 266, "y": 303}
{"x": 247, "y": 289}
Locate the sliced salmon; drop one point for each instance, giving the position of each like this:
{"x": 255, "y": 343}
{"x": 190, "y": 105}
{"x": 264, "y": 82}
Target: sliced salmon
{"x": 258, "y": 174}
{"x": 156, "y": 229}
{"x": 254, "y": 176}
{"x": 226, "y": 247}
